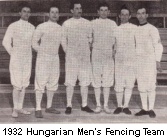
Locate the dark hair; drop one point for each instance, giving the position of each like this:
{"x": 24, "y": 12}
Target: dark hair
{"x": 124, "y": 7}
{"x": 103, "y": 4}
{"x": 53, "y": 6}
{"x": 23, "y": 5}
{"x": 143, "y": 7}
{"x": 73, "y": 2}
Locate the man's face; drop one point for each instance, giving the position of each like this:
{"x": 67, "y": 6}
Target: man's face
{"x": 54, "y": 14}
{"x": 25, "y": 13}
{"x": 142, "y": 15}
{"x": 124, "y": 16}
{"x": 77, "y": 10}
{"x": 103, "y": 12}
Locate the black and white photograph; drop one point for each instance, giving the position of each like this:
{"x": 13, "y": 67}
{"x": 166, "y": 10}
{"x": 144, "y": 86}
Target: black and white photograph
{"x": 83, "y": 61}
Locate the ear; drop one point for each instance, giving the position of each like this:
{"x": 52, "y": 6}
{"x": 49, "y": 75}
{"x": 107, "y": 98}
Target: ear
{"x": 72, "y": 11}
{"x": 108, "y": 11}
{"x": 98, "y": 11}
{"x": 119, "y": 16}
{"x": 20, "y": 13}
{"x": 130, "y": 16}
{"x": 146, "y": 15}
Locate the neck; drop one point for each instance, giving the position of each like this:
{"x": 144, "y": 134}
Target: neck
{"x": 52, "y": 21}
{"x": 102, "y": 18}
{"x": 124, "y": 22}
{"x": 75, "y": 17}
{"x": 24, "y": 19}
{"x": 143, "y": 23}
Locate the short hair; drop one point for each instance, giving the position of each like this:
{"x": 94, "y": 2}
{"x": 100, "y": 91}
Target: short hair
{"x": 53, "y": 6}
{"x": 103, "y": 4}
{"x": 73, "y": 2}
{"x": 23, "y": 5}
{"x": 124, "y": 7}
{"x": 143, "y": 7}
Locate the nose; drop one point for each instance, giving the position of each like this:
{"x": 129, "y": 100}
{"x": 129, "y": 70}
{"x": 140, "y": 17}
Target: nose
{"x": 80, "y": 10}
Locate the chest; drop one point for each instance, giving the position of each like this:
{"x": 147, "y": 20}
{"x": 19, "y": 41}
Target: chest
{"x": 51, "y": 33}
{"x": 104, "y": 28}
{"x": 23, "y": 32}
{"x": 78, "y": 28}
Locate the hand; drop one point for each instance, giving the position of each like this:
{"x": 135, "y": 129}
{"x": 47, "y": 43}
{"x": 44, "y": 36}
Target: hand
{"x": 159, "y": 66}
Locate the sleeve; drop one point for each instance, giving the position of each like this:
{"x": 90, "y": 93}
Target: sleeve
{"x": 115, "y": 25}
{"x": 33, "y": 30}
{"x": 7, "y": 40}
{"x": 36, "y": 38}
{"x": 156, "y": 40}
{"x": 90, "y": 33}
{"x": 64, "y": 37}
{"x": 115, "y": 36}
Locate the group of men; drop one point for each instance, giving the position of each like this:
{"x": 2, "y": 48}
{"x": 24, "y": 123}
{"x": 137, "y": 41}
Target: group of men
{"x": 118, "y": 53}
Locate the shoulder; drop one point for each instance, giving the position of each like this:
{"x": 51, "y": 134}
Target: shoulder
{"x": 41, "y": 26}
{"x": 31, "y": 25}
{"x": 133, "y": 25}
{"x": 13, "y": 24}
{"x": 112, "y": 22}
{"x": 94, "y": 21}
{"x": 152, "y": 28}
{"x": 68, "y": 21}
{"x": 84, "y": 20}
{"x": 58, "y": 25}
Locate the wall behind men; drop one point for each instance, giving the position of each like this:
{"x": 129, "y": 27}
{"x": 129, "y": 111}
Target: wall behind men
{"x": 89, "y": 6}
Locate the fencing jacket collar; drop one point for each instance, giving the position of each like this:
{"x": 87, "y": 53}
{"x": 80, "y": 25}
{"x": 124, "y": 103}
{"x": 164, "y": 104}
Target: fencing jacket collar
{"x": 143, "y": 24}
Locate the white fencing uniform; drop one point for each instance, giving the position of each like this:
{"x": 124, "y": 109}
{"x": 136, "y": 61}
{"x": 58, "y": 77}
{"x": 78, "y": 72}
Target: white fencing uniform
{"x": 102, "y": 55}
{"x": 17, "y": 42}
{"x": 125, "y": 58}
{"x": 76, "y": 38}
{"x": 77, "y": 35}
{"x": 149, "y": 50}
{"x": 47, "y": 64}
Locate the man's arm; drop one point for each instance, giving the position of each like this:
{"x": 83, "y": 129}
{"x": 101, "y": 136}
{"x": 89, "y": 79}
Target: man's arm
{"x": 115, "y": 42}
{"x": 157, "y": 47}
{"x": 91, "y": 36}
{"x": 64, "y": 37}
{"x": 7, "y": 40}
{"x": 36, "y": 38}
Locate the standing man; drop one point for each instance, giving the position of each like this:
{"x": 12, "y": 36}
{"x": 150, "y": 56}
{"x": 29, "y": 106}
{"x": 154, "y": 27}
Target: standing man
{"x": 17, "y": 42}
{"x": 76, "y": 44}
{"x": 47, "y": 66}
{"x": 102, "y": 56}
{"x": 125, "y": 60}
{"x": 149, "y": 52}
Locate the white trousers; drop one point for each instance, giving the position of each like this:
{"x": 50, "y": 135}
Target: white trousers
{"x": 20, "y": 69}
{"x": 78, "y": 67}
{"x": 102, "y": 68}
{"x": 125, "y": 73}
{"x": 47, "y": 72}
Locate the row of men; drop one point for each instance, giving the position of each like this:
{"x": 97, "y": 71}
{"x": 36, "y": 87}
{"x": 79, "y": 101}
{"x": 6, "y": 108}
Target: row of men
{"x": 127, "y": 51}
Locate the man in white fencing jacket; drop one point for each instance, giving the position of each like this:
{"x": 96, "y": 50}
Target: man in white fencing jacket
{"x": 125, "y": 61}
{"x": 17, "y": 42}
{"x": 47, "y": 64}
{"x": 149, "y": 52}
{"x": 76, "y": 44}
{"x": 102, "y": 56}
